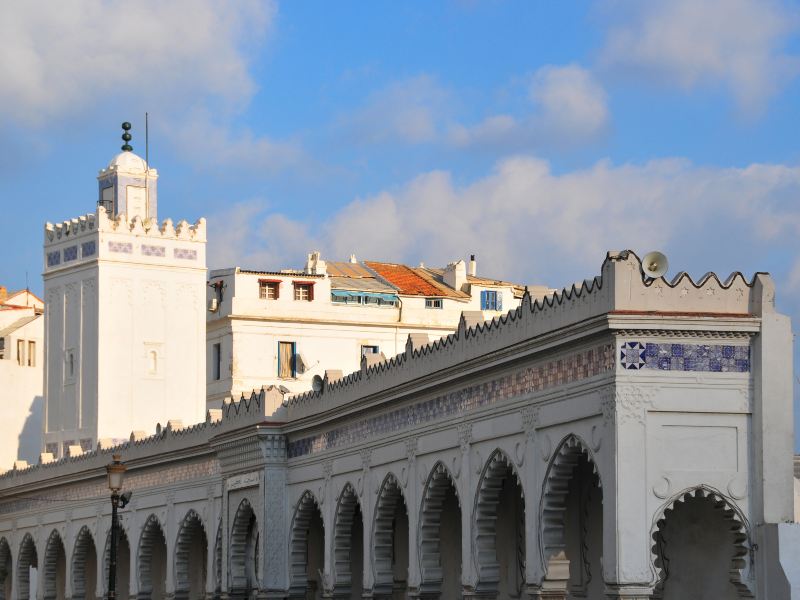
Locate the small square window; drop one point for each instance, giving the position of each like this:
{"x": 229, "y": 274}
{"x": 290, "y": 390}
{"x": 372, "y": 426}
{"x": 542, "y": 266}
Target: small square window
{"x": 304, "y": 292}
{"x": 268, "y": 290}
{"x": 433, "y": 303}
{"x": 369, "y": 350}
{"x": 491, "y": 300}
{"x": 216, "y": 361}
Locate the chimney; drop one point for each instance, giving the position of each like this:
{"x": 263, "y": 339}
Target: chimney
{"x": 3, "y": 293}
{"x": 315, "y": 265}
{"x": 455, "y": 275}
{"x": 353, "y": 259}
{"x": 473, "y": 266}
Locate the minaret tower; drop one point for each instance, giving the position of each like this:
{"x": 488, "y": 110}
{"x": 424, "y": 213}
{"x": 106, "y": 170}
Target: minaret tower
{"x": 124, "y": 316}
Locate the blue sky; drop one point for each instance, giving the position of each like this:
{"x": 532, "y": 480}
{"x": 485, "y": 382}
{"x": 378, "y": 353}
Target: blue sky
{"x": 536, "y": 135}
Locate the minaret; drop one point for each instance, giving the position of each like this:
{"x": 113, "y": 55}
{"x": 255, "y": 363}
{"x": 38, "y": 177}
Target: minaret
{"x": 124, "y": 315}
{"x": 128, "y": 185}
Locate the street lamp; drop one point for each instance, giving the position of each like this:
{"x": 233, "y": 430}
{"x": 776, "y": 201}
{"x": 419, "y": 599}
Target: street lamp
{"x": 116, "y": 473}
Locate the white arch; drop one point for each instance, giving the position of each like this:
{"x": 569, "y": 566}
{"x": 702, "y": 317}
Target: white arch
{"x": 304, "y": 511}
{"x": 555, "y": 489}
{"x": 52, "y": 550}
{"x": 739, "y": 526}
{"x": 390, "y": 500}
{"x": 191, "y": 534}
{"x": 84, "y": 542}
{"x": 497, "y": 469}
{"x": 152, "y": 534}
{"x": 6, "y": 566}
{"x": 243, "y": 548}
{"x": 439, "y": 482}
{"x": 342, "y": 536}
{"x": 27, "y": 557}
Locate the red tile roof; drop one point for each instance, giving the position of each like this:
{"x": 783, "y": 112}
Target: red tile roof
{"x": 409, "y": 282}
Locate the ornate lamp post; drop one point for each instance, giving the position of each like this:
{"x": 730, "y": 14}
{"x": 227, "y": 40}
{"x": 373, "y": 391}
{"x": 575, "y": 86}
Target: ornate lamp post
{"x": 116, "y": 473}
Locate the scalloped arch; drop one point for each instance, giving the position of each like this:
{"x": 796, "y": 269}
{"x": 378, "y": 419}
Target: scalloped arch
{"x": 738, "y": 524}
{"x": 305, "y": 509}
{"x": 390, "y": 500}
{"x": 152, "y": 534}
{"x": 243, "y": 548}
{"x": 53, "y": 550}
{"x": 5, "y": 565}
{"x": 122, "y": 541}
{"x": 27, "y": 557}
{"x": 84, "y": 544}
{"x": 440, "y": 480}
{"x": 191, "y": 535}
{"x": 496, "y": 470}
{"x": 342, "y": 528}
{"x": 555, "y": 489}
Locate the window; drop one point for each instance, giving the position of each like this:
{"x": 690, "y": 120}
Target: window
{"x": 2, "y": 348}
{"x": 433, "y": 303}
{"x": 491, "y": 300}
{"x": 216, "y": 361}
{"x": 31, "y": 354}
{"x": 286, "y": 360}
{"x": 152, "y": 362}
{"x": 303, "y": 291}
{"x": 69, "y": 364}
{"x": 51, "y": 448}
{"x": 268, "y": 289}
{"x": 21, "y": 353}
{"x": 369, "y": 350}
{"x": 86, "y": 444}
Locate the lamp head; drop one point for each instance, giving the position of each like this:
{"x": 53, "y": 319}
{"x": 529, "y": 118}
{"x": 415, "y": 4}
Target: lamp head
{"x": 116, "y": 473}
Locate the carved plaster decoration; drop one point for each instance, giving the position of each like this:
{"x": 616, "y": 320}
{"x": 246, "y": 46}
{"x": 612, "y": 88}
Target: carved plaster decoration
{"x": 530, "y": 421}
{"x": 327, "y": 473}
{"x": 456, "y": 466}
{"x": 737, "y": 487}
{"x": 662, "y": 488}
{"x": 464, "y": 436}
{"x": 597, "y": 437}
{"x": 629, "y": 404}
{"x": 411, "y": 455}
{"x": 545, "y": 447}
{"x": 519, "y": 453}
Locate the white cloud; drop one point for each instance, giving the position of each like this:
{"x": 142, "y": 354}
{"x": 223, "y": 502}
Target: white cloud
{"x": 690, "y": 43}
{"x": 64, "y": 57}
{"x": 528, "y": 223}
{"x": 410, "y": 110}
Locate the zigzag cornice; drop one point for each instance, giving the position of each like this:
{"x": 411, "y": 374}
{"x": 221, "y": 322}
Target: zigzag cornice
{"x": 621, "y": 286}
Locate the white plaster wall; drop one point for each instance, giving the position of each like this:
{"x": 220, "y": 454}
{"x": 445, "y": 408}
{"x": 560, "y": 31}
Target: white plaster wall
{"x": 21, "y": 394}
{"x": 796, "y": 500}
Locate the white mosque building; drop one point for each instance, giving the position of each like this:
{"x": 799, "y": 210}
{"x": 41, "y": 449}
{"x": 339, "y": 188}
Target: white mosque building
{"x": 630, "y": 438}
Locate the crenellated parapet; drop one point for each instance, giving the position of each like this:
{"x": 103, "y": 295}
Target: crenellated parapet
{"x": 622, "y": 289}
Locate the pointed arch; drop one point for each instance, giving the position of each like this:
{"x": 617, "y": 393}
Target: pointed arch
{"x": 439, "y": 483}
{"x": 737, "y": 525}
{"x": 243, "y": 557}
{"x": 191, "y": 551}
{"x": 54, "y": 567}
{"x": 123, "y": 563}
{"x": 6, "y": 572}
{"x": 555, "y": 490}
{"x": 84, "y": 566}
{"x": 348, "y": 511}
{"x": 305, "y": 512}
{"x": 218, "y": 559}
{"x": 151, "y": 558}
{"x": 26, "y": 558}
{"x": 390, "y": 505}
{"x": 497, "y": 474}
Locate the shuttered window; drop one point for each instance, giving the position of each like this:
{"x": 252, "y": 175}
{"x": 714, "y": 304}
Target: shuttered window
{"x": 286, "y": 360}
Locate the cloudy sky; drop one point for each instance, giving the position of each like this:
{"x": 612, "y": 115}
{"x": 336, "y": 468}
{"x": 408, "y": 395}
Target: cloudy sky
{"x": 536, "y": 135}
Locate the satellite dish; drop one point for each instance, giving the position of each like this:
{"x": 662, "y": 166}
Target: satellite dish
{"x": 654, "y": 264}
{"x": 316, "y": 383}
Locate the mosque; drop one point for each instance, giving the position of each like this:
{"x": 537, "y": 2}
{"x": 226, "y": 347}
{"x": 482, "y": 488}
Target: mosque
{"x": 626, "y": 438}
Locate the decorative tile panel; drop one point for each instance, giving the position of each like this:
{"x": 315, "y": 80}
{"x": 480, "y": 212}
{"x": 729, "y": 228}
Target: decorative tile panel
{"x": 124, "y": 247}
{"x": 185, "y": 253}
{"x": 714, "y": 358}
{"x": 88, "y": 248}
{"x": 54, "y": 258}
{"x": 153, "y": 250}
{"x": 543, "y": 376}
{"x": 70, "y": 253}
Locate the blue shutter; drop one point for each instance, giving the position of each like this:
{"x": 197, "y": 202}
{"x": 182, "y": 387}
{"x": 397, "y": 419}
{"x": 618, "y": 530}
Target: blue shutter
{"x": 483, "y": 300}
{"x": 499, "y": 300}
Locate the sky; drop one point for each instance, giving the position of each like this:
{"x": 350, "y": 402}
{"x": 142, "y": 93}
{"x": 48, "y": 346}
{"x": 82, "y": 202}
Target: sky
{"x": 534, "y": 134}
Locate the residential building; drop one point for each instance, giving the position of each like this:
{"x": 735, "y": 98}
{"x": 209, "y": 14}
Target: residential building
{"x": 21, "y": 373}
{"x": 284, "y": 327}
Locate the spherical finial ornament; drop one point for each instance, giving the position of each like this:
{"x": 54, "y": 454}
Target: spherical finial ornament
{"x": 126, "y": 137}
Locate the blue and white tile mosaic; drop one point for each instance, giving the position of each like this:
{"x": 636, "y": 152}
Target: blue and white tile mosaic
{"x": 545, "y": 375}
{"x": 54, "y": 258}
{"x": 185, "y": 253}
{"x": 153, "y": 250}
{"x": 70, "y": 253}
{"x": 88, "y": 248}
{"x": 123, "y": 247}
{"x": 713, "y": 358}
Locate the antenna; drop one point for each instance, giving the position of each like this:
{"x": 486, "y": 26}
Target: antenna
{"x": 146, "y": 141}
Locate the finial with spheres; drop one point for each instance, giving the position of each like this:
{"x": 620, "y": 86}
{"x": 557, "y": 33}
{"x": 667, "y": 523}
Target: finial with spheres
{"x": 126, "y": 137}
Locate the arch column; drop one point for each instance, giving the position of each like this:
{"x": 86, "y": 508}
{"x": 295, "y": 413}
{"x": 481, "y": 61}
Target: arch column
{"x": 468, "y": 575}
{"x": 411, "y": 484}
{"x": 367, "y": 518}
{"x": 534, "y": 469}
{"x": 626, "y": 537}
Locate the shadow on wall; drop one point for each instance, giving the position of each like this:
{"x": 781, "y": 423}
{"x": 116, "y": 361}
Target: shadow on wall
{"x": 30, "y": 438}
